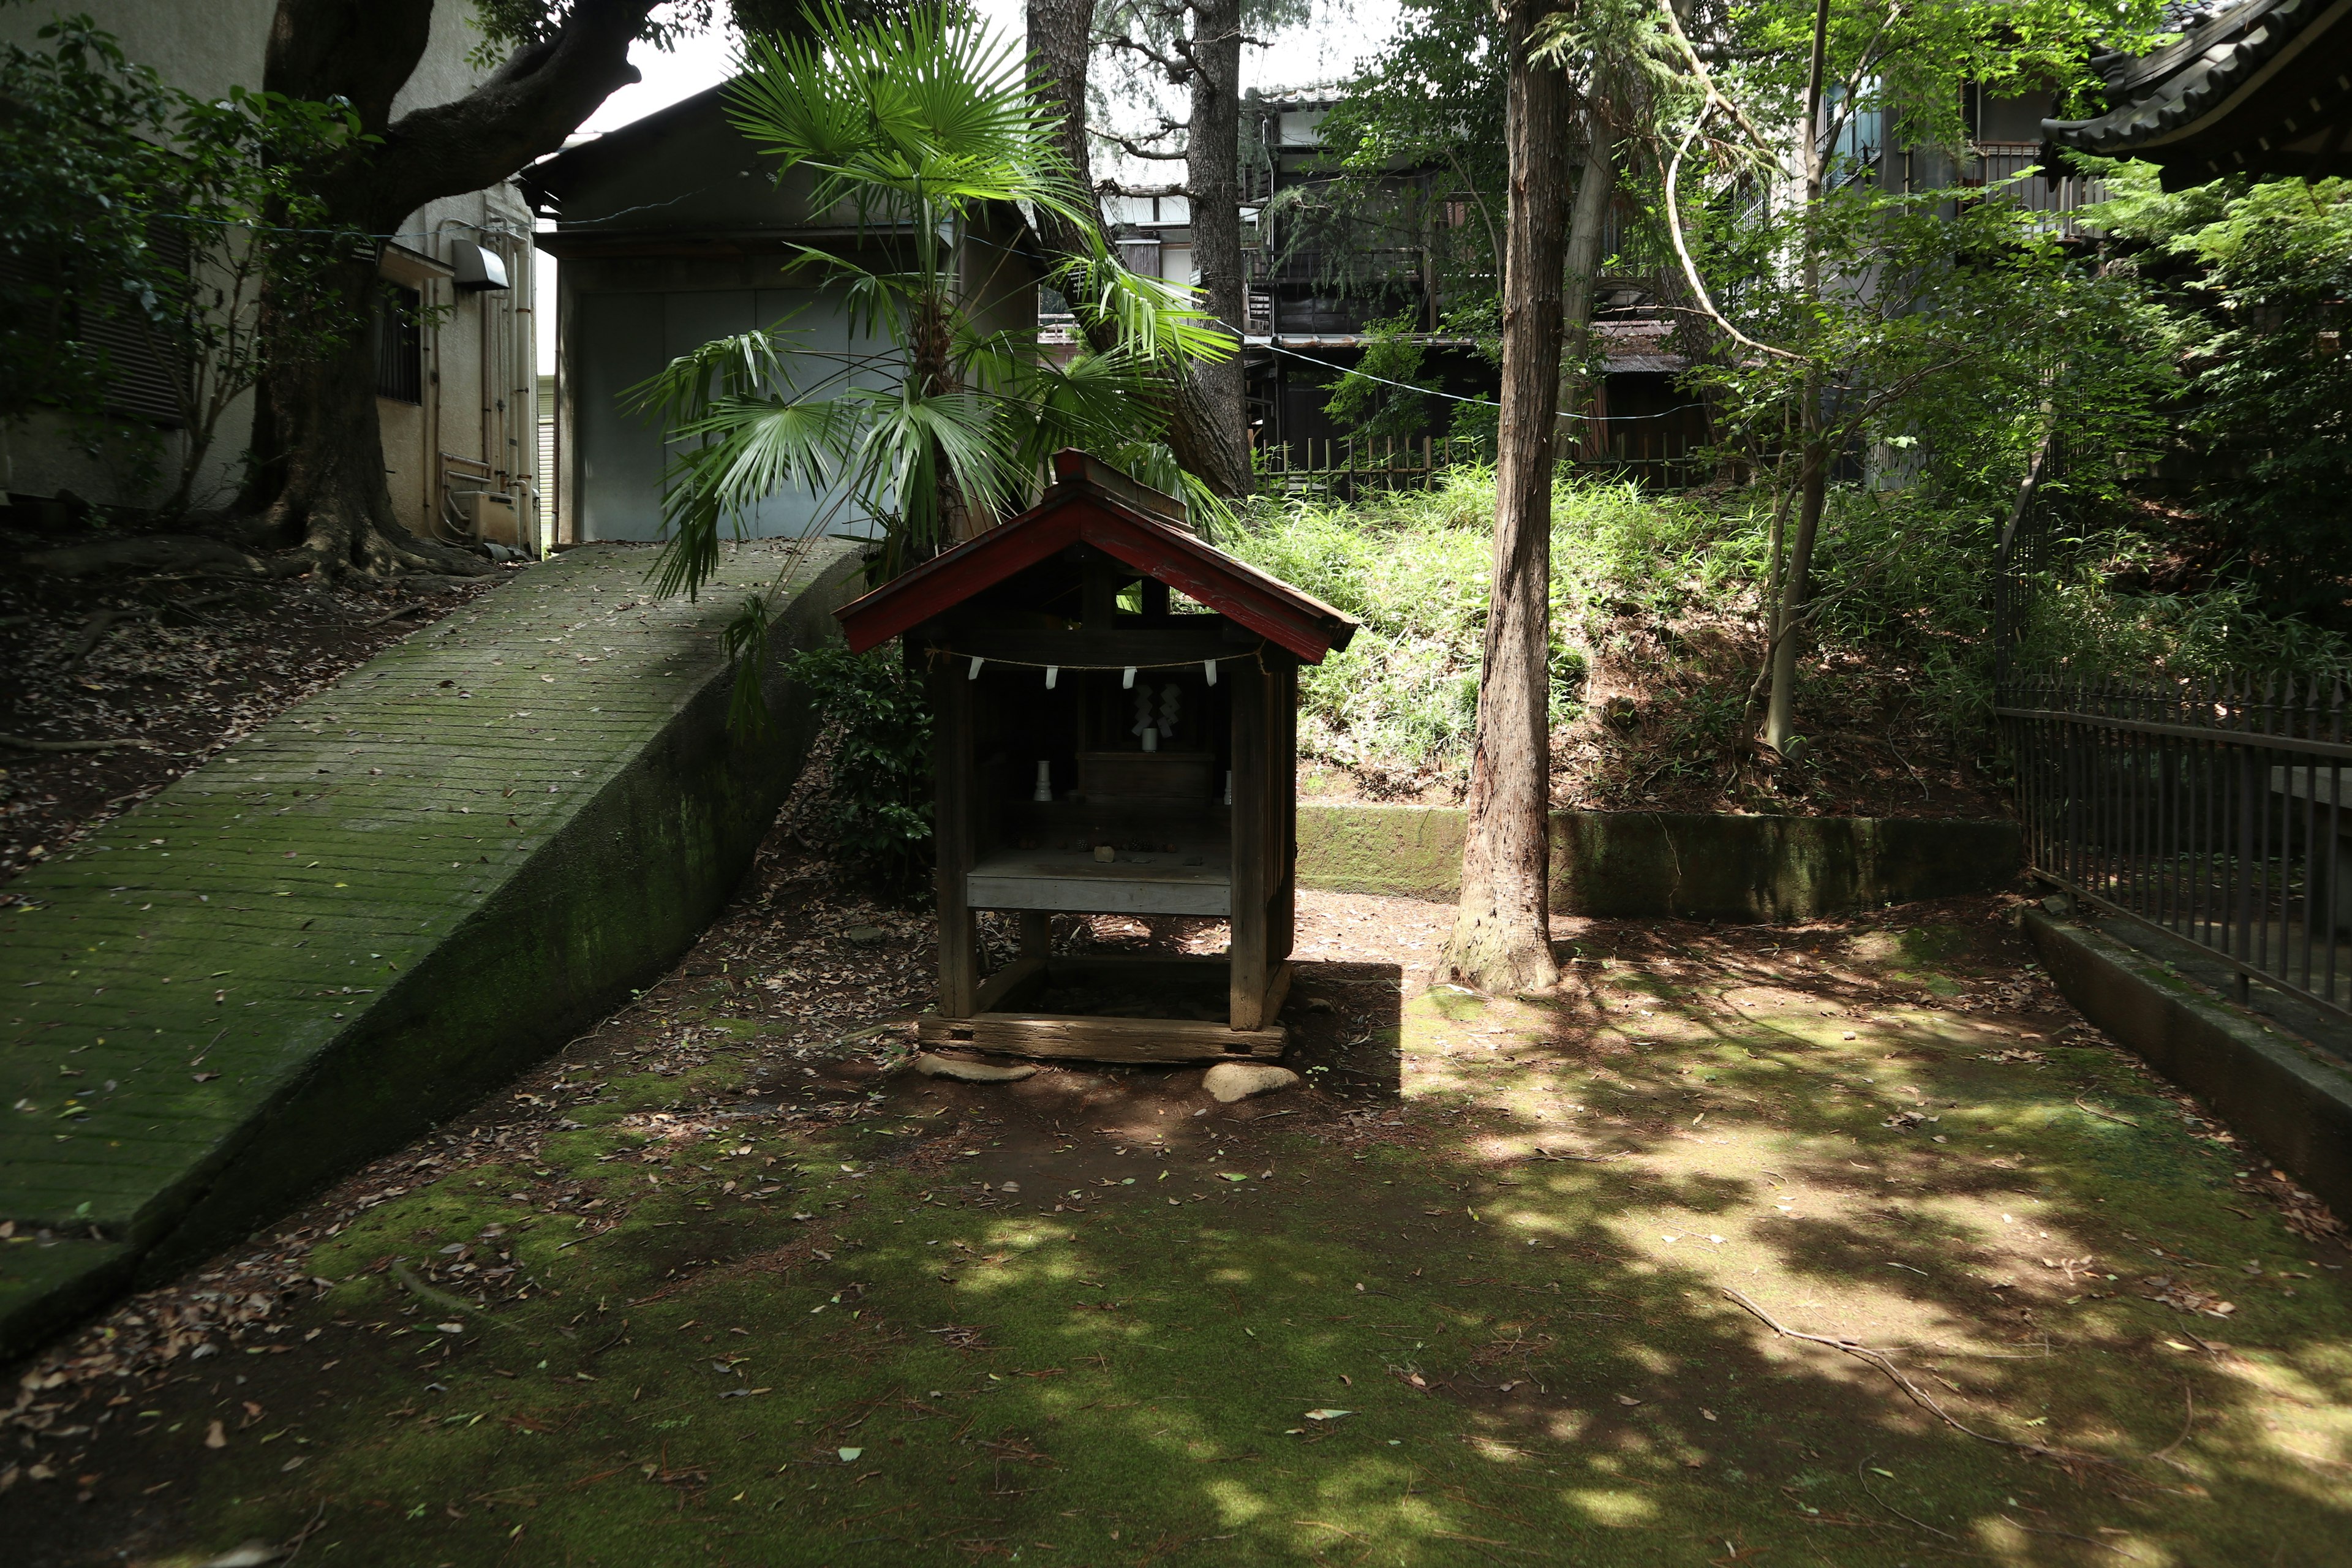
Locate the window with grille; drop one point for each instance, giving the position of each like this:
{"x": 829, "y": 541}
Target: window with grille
{"x": 400, "y": 344}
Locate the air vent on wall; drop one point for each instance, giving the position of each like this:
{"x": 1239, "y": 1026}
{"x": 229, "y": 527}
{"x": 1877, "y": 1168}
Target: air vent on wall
{"x": 478, "y": 269}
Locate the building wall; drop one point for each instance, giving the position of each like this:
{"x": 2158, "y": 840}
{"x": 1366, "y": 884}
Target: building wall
{"x": 673, "y": 233}
{"x": 479, "y": 389}
{"x": 621, "y": 321}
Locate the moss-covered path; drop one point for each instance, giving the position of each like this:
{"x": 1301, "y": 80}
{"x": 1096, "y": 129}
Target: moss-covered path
{"x": 729, "y": 1285}
{"x": 361, "y": 915}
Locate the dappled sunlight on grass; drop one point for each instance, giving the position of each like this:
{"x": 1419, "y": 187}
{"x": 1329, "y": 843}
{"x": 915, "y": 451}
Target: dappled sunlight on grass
{"x": 1486, "y": 1320}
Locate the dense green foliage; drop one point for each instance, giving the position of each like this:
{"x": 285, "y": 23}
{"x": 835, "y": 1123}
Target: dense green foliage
{"x": 2252, "y": 278}
{"x": 1665, "y": 592}
{"x": 1376, "y": 400}
{"x": 876, "y": 815}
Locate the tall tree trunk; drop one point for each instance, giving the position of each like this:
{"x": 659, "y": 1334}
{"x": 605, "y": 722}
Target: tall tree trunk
{"x": 1213, "y": 176}
{"x": 318, "y": 475}
{"x": 1596, "y": 180}
{"x": 1813, "y": 473}
{"x": 1502, "y": 931}
{"x": 1061, "y": 36}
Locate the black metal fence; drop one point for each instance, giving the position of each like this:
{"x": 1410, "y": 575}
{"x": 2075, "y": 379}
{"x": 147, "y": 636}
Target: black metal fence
{"x": 2214, "y": 810}
{"x": 1346, "y": 469}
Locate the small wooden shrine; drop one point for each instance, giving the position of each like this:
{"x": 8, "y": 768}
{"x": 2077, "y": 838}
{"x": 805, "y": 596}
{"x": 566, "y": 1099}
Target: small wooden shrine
{"x": 1116, "y": 712}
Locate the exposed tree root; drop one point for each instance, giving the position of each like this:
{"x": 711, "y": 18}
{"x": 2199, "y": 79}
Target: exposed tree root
{"x": 149, "y": 552}
{"x": 23, "y": 744}
{"x": 338, "y": 546}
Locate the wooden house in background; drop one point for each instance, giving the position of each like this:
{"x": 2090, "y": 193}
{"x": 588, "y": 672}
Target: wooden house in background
{"x": 1116, "y": 705}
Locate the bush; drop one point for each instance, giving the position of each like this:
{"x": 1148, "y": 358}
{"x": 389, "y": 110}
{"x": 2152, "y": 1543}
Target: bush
{"x": 876, "y": 815}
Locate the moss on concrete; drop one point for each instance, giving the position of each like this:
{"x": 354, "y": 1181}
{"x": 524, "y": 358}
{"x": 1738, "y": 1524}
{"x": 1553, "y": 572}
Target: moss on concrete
{"x": 1638, "y": 865}
{"x": 372, "y": 911}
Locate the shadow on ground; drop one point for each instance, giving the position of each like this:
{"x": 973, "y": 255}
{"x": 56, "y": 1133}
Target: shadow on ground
{"x": 729, "y": 1283}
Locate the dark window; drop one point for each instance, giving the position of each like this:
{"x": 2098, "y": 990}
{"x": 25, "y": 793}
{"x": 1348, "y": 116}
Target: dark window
{"x": 148, "y": 373}
{"x": 400, "y": 344}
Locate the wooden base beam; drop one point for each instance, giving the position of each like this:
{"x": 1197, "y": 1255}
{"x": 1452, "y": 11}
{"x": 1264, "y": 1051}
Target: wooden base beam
{"x": 1095, "y": 1040}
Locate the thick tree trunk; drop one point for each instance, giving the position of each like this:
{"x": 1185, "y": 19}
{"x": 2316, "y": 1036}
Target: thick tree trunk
{"x": 1061, "y": 36}
{"x": 318, "y": 473}
{"x": 1213, "y": 176}
{"x": 332, "y": 498}
{"x": 1502, "y": 931}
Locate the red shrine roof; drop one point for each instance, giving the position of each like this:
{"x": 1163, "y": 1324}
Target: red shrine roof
{"x": 1089, "y": 505}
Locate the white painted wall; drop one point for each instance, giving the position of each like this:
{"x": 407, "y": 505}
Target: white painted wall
{"x": 480, "y": 390}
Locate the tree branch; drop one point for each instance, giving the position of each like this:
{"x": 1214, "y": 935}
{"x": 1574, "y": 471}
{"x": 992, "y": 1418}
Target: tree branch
{"x": 524, "y": 111}
{"x": 1690, "y": 267}
{"x": 1133, "y": 150}
{"x": 1179, "y": 72}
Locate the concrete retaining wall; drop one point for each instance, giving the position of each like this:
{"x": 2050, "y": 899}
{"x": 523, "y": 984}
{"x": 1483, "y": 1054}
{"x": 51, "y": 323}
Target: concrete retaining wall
{"x": 2290, "y": 1100}
{"x": 1649, "y": 865}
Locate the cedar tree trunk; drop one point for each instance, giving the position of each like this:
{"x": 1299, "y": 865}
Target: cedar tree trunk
{"x": 1061, "y": 37}
{"x": 1502, "y": 932}
{"x": 320, "y": 479}
{"x": 1213, "y": 180}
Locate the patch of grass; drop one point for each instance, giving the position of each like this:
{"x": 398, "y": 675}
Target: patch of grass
{"x": 852, "y": 1340}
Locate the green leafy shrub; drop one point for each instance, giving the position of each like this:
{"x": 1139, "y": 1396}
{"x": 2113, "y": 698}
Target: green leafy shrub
{"x": 877, "y": 814}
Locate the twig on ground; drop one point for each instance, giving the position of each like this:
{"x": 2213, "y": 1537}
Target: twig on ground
{"x": 2068, "y": 1535}
{"x": 93, "y": 632}
{"x": 2102, "y": 1115}
{"x": 302, "y": 1537}
{"x": 395, "y": 614}
{"x": 1919, "y": 1396}
{"x": 1891, "y": 1509}
{"x": 2187, "y": 1425}
{"x": 442, "y": 1298}
{"x": 1588, "y": 1159}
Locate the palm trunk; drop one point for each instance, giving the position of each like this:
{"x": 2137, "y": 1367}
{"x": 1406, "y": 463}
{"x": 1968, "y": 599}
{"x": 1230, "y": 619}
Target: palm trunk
{"x": 930, "y": 362}
{"x": 1502, "y": 930}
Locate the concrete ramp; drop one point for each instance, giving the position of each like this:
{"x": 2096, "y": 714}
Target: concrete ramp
{"x": 364, "y": 915}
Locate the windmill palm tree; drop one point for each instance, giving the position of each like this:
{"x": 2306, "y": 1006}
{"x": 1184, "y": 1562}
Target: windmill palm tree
{"x": 921, "y": 128}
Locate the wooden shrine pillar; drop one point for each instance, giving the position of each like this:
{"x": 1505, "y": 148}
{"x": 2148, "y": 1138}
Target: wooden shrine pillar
{"x": 1246, "y": 909}
{"x": 952, "y": 827}
{"x": 1263, "y": 918}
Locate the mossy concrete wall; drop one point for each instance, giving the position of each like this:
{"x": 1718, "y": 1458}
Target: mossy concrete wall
{"x": 1650, "y": 864}
{"x": 372, "y": 911}
{"x": 2290, "y": 1100}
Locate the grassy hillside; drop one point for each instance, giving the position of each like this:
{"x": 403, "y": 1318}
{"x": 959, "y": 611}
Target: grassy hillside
{"x": 1659, "y": 630}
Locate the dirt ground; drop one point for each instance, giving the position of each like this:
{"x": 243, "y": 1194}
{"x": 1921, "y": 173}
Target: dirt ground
{"x": 178, "y": 663}
{"x": 727, "y": 1281}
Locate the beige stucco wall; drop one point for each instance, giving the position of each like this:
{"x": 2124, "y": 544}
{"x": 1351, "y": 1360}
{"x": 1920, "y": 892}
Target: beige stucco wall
{"x": 480, "y": 386}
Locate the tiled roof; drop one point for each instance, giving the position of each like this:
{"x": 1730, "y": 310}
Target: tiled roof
{"x": 2241, "y": 91}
